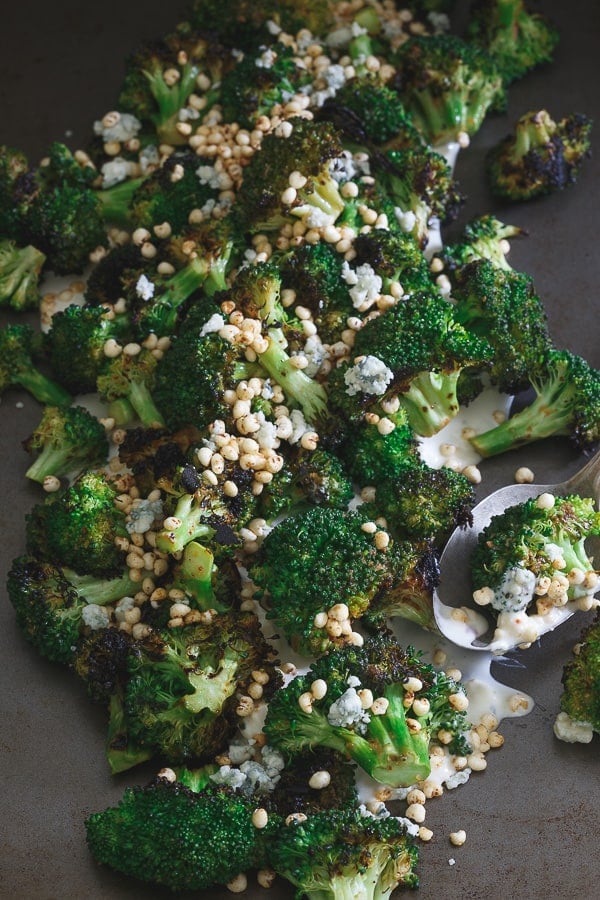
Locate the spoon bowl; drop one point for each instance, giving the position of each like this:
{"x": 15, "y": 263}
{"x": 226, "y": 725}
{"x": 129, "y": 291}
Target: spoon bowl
{"x": 456, "y": 614}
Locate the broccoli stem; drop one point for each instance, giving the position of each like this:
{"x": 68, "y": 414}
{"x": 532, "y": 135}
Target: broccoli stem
{"x": 121, "y": 411}
{"x": 116, "y": 200}
{"x": 185, "y": 525}
{"x": 195, "y": 577}
{"x": 100, "y": 592}
{"x": 324, "y": 197}
{"x": 143, "y": 404}
{"x": 430, "y": 401}
{"x": 122, "y": 754}
{"x": 20, "y": 269}
{"x": 309, "y": 394}
{"x": 43, "y": 389}
{"x": 50, "y": 460}
{"x": 403, "y": 756}
{"x": 411, "y": 605}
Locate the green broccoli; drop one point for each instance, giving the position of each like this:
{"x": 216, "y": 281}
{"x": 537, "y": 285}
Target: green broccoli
{"x": 567, "y": 402}
{"x": 78, "y": 527}
{"x": 174, "y": 836}
{"x": 14, "y": 167}
{"x": 20, "y": 348}
{"x": 339, "y": 854}
{"x": 396, "y": 257}
{"x": 540, "y": 156}
{"x": 516, "y": 39}
{"x": 532, "y": 556}
{"x": 371, "y": 456}
{"x": 316, "y": 477}
{"x": 20, "y": 269}
{"x": 389, "y": 738}
{"x": 126, "y": 385}
{"x": 55, "y": 607}
{"x": 483, "y": 238}
{"x": 579, "y": 718}
{"x": 418, "y": 349}
{"x": 320, "y": 569}
{"x": 66, "y": 440}
{"x": 447, "y": 85}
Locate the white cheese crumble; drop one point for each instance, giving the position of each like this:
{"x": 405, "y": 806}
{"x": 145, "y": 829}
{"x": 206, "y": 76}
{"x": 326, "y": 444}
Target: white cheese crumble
{"x": 209, "y": 175}
{"x": 567, "y": 729}
{"x": 214, "y": 324}
{"x": 347, "y": 711}
{"x": 364, "y": 285}
{"x": 124, "y": 127}
{"x": 142, "y": 515}
{"x": 369, "y": 376}
{"x": 116, "y": 171}
{"x": 145, "y": 288}
{"x": 95, "y": 617}
{"x": 515, "y": 591}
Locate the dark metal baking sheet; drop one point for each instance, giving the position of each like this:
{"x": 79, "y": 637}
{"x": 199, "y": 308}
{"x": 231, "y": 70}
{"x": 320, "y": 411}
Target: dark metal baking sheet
{"x": 532, "y": 819}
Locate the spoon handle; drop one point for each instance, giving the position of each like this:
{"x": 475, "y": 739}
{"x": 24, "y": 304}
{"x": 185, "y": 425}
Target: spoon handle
{"x": 587, "y": 481}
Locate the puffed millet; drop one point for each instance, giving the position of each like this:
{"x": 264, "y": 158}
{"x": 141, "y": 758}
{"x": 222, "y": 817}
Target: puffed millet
{"x": 238, "y": 884}
{"x": 416, "y": 812}
{"x": 260, "y": 817}
{"x": 457, "y": 838}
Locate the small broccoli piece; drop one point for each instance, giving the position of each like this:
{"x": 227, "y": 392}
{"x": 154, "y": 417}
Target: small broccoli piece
{"x": 66, "y": 440}
{"x": 483, "y": 238}
{"x": 183, "y": 685}
{"x": 78, "y": 527}
{"x": 502, "y": 307}
{"x": 101, "y": 661}
{"x": 579, "y": 718}
{"x": 321, "y": 562}
{"x": 317, "y": 477}
{"x": 169, "y": 194}
{"x": 425, "y": 349}
{"x": 20, "y": 269}
{"x": 309, "y": 394}
{"x": 105, "y": 284}
{"x": 311, "y": 145}
{"x": 75, "y": 345}
{"x": 395, "y": 256}
{"x": 540, "y": 156}
{"x": 50, "y": 604}
{"x": 372, "y": 456}
{"x": 131, "y": 379}
{"x": 14, "y": 167}
{"x": 516, "y": 39}
{"x": 534, "y": 545}
{"x": 294, "y": 792}
{"x": 170, "y": 835}
{"x": 338, "y": 854}
{"x": 380, "y": 741}
{"x": 20, "y": 347}
{"x": 567, "y": 403}
{"x": 447, "y": 85}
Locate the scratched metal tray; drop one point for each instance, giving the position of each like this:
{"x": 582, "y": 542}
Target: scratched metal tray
{"x": 532, "y": 819}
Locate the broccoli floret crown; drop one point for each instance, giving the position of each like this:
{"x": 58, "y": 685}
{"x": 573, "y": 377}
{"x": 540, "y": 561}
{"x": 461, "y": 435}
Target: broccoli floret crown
{"x": 65, "y": 441}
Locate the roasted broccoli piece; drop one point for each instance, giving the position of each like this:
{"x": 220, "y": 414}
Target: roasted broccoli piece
{"x": 383, "y": 739}
{"x": 320, "y": 569}
{"x": 395, "y": 257}
{"x": 55, "y": 607}
{"x": 300, "y": 388}
{"x": 76, "y": 341}
{"x": 67, "y": 440}
{"x": 20, "y": 349}
{"x": 579, "y": 718}
{"x": 532, "y": 558}
{"x": 371, "y": 456}
{"x": 316, "y": 477}
{"x": 108, "y": 280}
{"x": 516, "y": 39}
{"x": 483, "y": 238}
{"x": 540, "y": 156}
{"x": 567, "y": 403}
{"x": 126, "y": 386}
{"x": 183, "y": 685}
{"x": 298, "y": 791}
{"x": 13, "y": 169}
{"x": 316, "y": 200}
{"x": 418, "y": 349}
{"x": 447, "y": 85}
{"x": 78, "y": 527}
{"x": 170, "y": 834}
{"x": 503, "y": 308}
{"x": 20, "y": 269}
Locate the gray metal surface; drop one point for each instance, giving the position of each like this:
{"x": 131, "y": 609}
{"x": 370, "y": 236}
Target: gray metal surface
{"x": 532, "y": 819}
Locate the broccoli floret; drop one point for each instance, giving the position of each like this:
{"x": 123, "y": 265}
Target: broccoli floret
{"x": 372, "y": 456}
{"x": 183, "y": 685}
{"x": 78, "y": 527}
{"x": 502, "y": 307}
{"x": 567, "y": 403}
{"x": 483, "y": 238}
{"x": 317, "y": 477}
{"x": 524, "y": 558}
{"x": 50, "y": 604}
{"x": 195, "y": 574}
{"x": 169, "y": 194}
{"x": 20, "y": 347}
{"x": 127, "y": 383}
{"x": 540, "y": 156}
{"x": 75, "y": 345}
{"x": 14, "y": 167}
{"x": 339, "y": 854}
{"x": 322, "y": 563}
{"x": 101, "y": 660}
{"x": 266, "y": 201}
{"x": 396, "y": 257}
{"x": 309, "y": 394}
{"x": 294, "y": 792}
{"x": 66, "y": 440}
{"x": 170, "y": 835}
{"x": 580, "y": 699}
{"x": 447, "y": 85}
{"x": 516, "y": 39}
{"x": 383, "y": 740}
{"x": 20, "y": 269}
{"x": 425, "y": 349}
{"x": 107, "y": 281}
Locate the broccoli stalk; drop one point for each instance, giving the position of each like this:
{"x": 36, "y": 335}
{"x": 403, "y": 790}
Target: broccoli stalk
{"x": 308, "y": 394}
{"x": 116, "y": 201}
{"x": 20, "y": 269}
{"x": 567, "y": 403}
{"x": 19, "y": 345}
{"x": 189, "y": 522}
{"x": 66, "y": 440}
{"x": 194, "y": 575}
{"x": 131, "y": 378}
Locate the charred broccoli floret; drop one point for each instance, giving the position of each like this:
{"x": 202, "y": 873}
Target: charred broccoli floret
{"x": 20, "y": 269}
{"x": 294, "y": 792}
{"x": 516, "y": 39}
{"x": 579, "y": 718}
{"x": 126, "y": 386}
{"x": 379, "y": 739}
{"x": 67, "y": 440}
{"x": 345, "y": 853}
{"x": 567, "y": 403}
{"x": 483, "y": 238}
{"x": 540, "y": 156}
{"x": 308, "y": 477}
{"x": 447, "y": 85}
{"x": 20, "y": 349}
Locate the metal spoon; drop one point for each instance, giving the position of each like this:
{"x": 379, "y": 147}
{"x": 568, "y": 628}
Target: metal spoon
{"x": 456, "y": 616}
